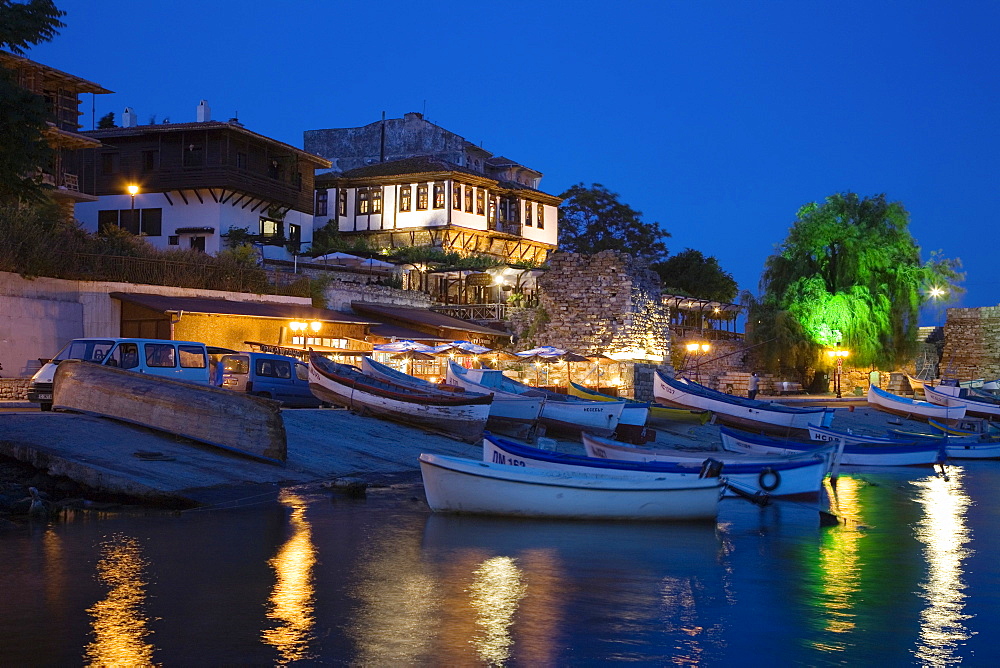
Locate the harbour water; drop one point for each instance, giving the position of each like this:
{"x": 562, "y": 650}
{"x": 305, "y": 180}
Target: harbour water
{"x": 909, "y": 578}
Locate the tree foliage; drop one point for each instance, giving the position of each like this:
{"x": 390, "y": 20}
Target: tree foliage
{"x": 107, "y": 121}
{"x": 23, "y": 115}
{"x": 594, "y": 219}
{"x": 850, "y": 274}
{"x": 692, "y": 274}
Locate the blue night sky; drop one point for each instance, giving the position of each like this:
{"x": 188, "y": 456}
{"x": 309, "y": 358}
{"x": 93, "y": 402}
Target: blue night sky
{"x": 716, "y": 119}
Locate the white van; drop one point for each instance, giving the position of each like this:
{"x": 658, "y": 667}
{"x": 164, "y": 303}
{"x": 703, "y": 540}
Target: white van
{"x": 180, "y": 360}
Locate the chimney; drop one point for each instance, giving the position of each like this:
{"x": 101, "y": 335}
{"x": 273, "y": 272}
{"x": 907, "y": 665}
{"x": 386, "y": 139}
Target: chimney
{"x": 204, "y": 112}
{"x": 128, "y": 118}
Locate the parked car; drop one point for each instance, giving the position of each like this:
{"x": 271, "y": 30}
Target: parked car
{"x": 277, "y": 377}
{"x": 180, "y": 360}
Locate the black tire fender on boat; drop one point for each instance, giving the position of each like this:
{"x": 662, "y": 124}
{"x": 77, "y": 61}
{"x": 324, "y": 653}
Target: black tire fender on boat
{"x": 768, "y": 479}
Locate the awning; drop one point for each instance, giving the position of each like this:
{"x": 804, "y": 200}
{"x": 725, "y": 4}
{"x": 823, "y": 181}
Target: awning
{"x": 195, "y": 230}
{"x": 277, "y": 310}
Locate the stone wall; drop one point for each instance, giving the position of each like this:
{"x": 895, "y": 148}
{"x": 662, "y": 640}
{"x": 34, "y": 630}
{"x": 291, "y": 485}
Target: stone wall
{"x": 971, "y": 343}
{"x": 14, "y": 389}
{"x": 603, "y": 303}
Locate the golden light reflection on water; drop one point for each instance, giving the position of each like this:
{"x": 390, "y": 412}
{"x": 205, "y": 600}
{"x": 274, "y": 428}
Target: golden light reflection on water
{"x": 119, "y": 624}
{"x": 838, "y": 564}
{"x": 496, "y": 590}
{"x": 400, "y": 611}
{"x": 944, "y": 533}
{"x": 293, "y": 597}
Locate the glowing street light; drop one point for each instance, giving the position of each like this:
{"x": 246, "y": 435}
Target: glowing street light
{"x": 838, "y": 354}
{"x": 133, "y": 190}
{"x": 694, "y": 349}
{"x": 936, "y": 292}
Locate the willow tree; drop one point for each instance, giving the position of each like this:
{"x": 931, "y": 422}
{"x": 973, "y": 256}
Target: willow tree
{"x": 849, "y": 274}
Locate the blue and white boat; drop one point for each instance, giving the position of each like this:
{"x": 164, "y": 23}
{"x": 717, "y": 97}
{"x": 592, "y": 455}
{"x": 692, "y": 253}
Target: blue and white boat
{"x": 911, "y": 408}
{"x": 778, "y": 475}
{"x": 959, "y": 397}
{"x": 740, "y": 411}
{"x": 868, "y": 453}
{"x": 559, "y": 411}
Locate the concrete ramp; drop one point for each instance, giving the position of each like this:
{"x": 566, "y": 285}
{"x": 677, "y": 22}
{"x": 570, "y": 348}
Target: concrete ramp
{"x": 235, "y": 421}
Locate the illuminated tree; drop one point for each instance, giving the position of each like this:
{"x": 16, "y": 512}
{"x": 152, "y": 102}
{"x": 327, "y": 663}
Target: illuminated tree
{"x": 849, "y": 273}
{"x": 594, "y": 219}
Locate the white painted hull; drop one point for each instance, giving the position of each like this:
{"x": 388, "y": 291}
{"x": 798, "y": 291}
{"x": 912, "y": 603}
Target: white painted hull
{"x": 459, "y": 485}
{"x": 756, "y": 414}
{"x": 803, "y": 475}
{"x": 941, "y": 397}
{"x": 898, "y": 405}
{"x": 634, "y": 414}
{"x": 463, "y": 421}
{"x": 506, "y": 406}
{"x": 565, "y": 412}
{"x": 900, "y": 454}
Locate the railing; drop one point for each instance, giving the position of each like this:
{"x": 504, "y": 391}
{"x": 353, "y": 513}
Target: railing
{"x": 475, "y": 312}
{"x": 707, "y": 334}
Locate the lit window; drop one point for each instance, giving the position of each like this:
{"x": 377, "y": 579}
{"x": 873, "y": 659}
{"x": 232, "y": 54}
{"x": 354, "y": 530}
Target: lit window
{"x": 271, "y": 228}
{"x": 362, "y": 205}
{"x": 422, "y": 197}
{"x": 405, "y": 193}
{"x": 438, "y": 195}
{"x": 480, "y": 202}
{"x": 456, "y": 196}
{"x": 468, "y": 199}
{"x": 527, "y": 213}
{"x": 342, "y": 202}
{"x": 493, "y": 210}
{"x": 541, "y": 216}
{"x": 376, "y": 198}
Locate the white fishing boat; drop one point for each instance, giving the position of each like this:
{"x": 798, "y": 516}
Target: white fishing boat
{"x": 959, "y": 397}
{"x": 559, "y": 411}
{"x": 778, "y": 475}
{"x": 507, "y": 407}
{"x": 656, "y": 411}
{"x": 737, "y": 410}
{"x": 855, "y": 454}
{"x": 457, "y": 485}
{"x": 909, "y": 407}
{"x": 456, "y": 414}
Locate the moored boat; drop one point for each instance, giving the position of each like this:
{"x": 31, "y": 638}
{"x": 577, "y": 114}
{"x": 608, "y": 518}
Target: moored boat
{"x": 453, "y": 484}
{"x": 908, "y": 407}
{"x": 778, "y": 475}
{"x": 961, "y": 399}
{"x": 559, "y": 411}
{"x": 456, "y": 414}
{"x": 507, "y": 407}
{"x": 737, "y": 410}
{"x": 656, "y": 411}
{"x": 856, "y": 454}
{"x": 970, "y": 446}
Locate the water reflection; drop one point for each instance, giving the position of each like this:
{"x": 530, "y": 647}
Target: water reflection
{"x": 400, "y": 615}
{"x": 293, "y": 597}
{"x": 839, "y": 566}
{"x": 495, "y": 592}
{"x": 119, "y": 624}
{"x": 944, "y": 533}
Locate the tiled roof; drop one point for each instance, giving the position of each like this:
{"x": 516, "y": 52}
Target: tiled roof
{"x": 416, "y": 165}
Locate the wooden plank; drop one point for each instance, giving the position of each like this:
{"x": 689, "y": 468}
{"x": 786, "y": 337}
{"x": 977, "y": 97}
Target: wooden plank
{"x": 232, "y": 420}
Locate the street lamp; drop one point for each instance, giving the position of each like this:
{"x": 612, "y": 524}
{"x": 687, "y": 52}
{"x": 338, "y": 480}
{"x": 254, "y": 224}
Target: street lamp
{"x": 133, "y": 190}
{"x": 838, "y": 354}
{"x": 694, "y": 349}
